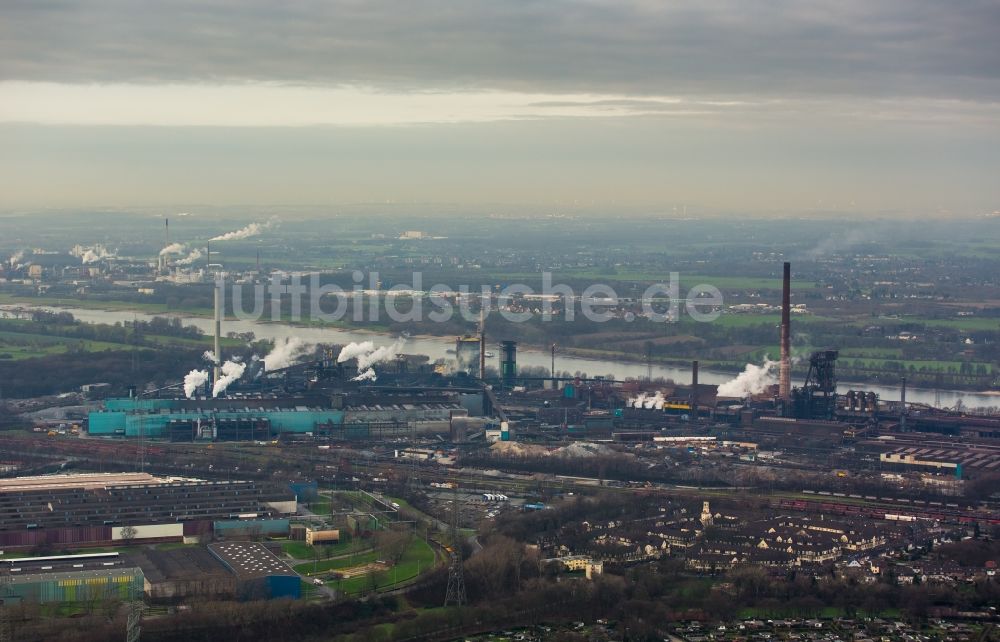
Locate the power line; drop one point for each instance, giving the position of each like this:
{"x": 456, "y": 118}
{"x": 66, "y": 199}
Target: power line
{"x": 5, "y": 582}
{"x": 133, "y": 628}
{"x": 456, "y": 574}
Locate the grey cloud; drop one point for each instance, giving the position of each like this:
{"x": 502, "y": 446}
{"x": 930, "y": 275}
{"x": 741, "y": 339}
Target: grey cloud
{"x": 888, "y": 48}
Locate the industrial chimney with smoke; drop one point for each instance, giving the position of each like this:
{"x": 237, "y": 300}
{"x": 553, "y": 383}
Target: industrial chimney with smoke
{"x": 785, "y": 374}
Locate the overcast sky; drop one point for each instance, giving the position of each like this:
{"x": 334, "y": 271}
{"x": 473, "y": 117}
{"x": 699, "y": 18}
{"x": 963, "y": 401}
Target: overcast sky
{"x": 740, "y": 106}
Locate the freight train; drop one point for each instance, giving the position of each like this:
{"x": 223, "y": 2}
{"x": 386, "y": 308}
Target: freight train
{"x": 952, "y": 515}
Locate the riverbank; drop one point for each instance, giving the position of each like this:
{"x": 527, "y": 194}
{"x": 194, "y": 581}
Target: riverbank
{"x": 619, "y": 366}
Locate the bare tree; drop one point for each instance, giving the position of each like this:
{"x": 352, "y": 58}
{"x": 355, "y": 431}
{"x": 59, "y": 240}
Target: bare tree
{"x": 392, "y": 545}
{"x": 128, "y": 535}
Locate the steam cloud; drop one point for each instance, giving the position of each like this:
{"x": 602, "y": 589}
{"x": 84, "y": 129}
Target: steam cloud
{"x": 190, "y": 258}
{"x": 244, "y": 233}
{"x": 752, "y": 381}
{"x": 648, "y": 401}
{"x": 367, "y": 375}
{"x": 286, "y": 352}
{"x": 91, "y": 254}
{"x": 210, "y": 357}
{"x": 194, "y": 380}
{"x": 352, "y": 350}
{"x": 231, "y": 371}
{"x": 254, "y": 229}
{"x": 15, "y": 258}
{"x": 368, "y": 355}
{"x": 173, "y": 248}
{"x": 384, "y": 353}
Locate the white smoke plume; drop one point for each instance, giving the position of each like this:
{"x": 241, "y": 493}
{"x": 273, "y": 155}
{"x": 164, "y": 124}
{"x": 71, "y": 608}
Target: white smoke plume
{"x": 91, "y": 254}
{"x": 384, "y": 353}
{"x": 352, "y": 350}
{"x": 651, "y": 402}
{"x": 173, "y": 248}
{"x": 368, "y": 355}
{"x": 243, "y": 233}
{"x": 190, "y": 258}
{"x": 194, "y": 380}
{"x": 210, "y": 357}
{"x": 752, "y": 381}
{"x": 367, "y": 375}
{"x": 15, "y": 258}
{"x": 231, "y": 371}
{"x": 286, "y": 352}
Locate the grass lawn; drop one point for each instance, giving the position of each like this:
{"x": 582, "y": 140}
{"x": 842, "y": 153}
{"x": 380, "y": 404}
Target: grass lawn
{"x": 27, "y": 345}
{"x": 418, "y": 558}
{"x": 298, "y": 550}
{"x": 172, "y": 546}
{"x": 93, "y": 304}
{"x": 968, "y": 324}
{"x": 744, "y": 320}
{"x": 319, "y": 506}
{"x": 930, "y": 365}
{"x": 861, "y": 353}
{"x": 333, "y": 564}
{"x": 24, "y": 345}
{"x": 686, "y": 280}
{"x": 303, "y": 551}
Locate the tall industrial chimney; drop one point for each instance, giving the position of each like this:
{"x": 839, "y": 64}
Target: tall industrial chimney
{"x": 482, "y": 341}
{"x": 902, "y": 406}
{"x": 785, "y": 374}
{"x": 218, "y": 329}
{"x": 694, "y": 389}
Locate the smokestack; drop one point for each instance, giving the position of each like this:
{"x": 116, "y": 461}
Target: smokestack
{"x": 694, "y": 389}
{"x": 902, "y": 406}
{"x": 218, "y": 330}
{"x": 785, "y": 374}
{"x": 482, "y": 340}
{"x": 163, "y": 259}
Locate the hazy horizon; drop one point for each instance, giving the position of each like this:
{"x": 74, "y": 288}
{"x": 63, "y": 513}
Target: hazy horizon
{"x": 719, "y": 107}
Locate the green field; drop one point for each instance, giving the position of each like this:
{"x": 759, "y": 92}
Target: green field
{"x": 23, "y": 345}
{"x": 967, "y": 324}
{"x": 599, "y": 275}
{"x": 303, "y": 551}
{"x": 744, "y": 320}
{"x": 27, "y": 344}
{"x": 92, "y": 304}
{"x": 419, "y": 558}
{"x": 347, "y": 561}
{"x": 929, "y": 365}
{"x": 871, "y": 353}
{"x": 173, "y": 546}
{"x": 297, "y": 550}
{"x": 320, "y": 506}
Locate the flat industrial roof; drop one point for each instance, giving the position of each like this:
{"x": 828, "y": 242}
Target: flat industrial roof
{"x": 84, "y": 481}
{"x": 188, "y": 563}
{"x": 32, "y": 569}
{"x": 44, "y": 575}
{"x": 249, "y": 560}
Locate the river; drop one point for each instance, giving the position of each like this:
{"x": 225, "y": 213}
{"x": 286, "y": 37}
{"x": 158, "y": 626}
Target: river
{"x": 438, "y": 348}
